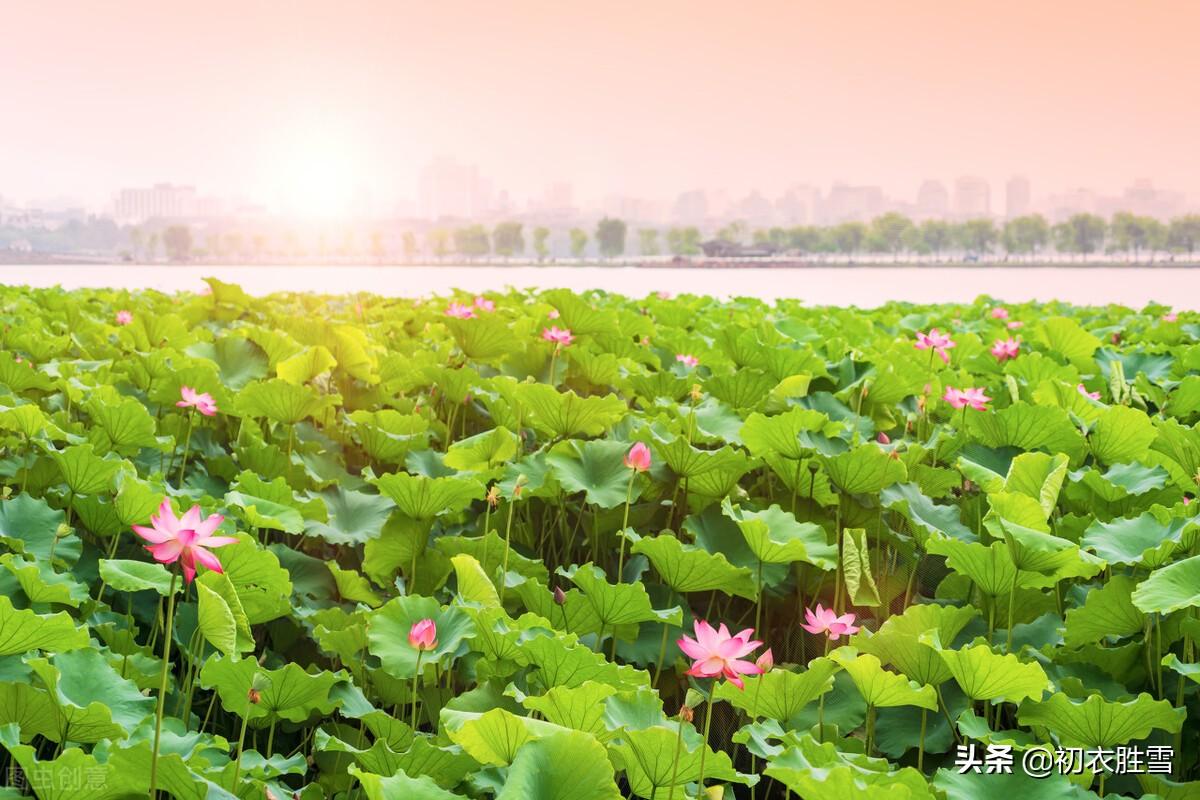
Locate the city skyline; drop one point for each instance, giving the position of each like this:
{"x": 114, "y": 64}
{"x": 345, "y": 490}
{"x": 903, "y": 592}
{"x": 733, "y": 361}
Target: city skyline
{"x": 316, "y": 110}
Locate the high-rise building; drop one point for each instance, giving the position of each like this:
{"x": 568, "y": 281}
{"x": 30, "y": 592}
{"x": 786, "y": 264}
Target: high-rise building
{"x": 933, "y": 201}
{"x": 847, "y": 203}
{"x": 447, "y": 188}
{"x": 691, "y": 208}
{"x": 161, "y": 201}
{"x": 972, "y": 198}
{"x": 1018, "y": 197}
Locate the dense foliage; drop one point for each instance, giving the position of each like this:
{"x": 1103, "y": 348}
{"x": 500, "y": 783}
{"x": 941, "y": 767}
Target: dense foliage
{"x": 461, "y": 540}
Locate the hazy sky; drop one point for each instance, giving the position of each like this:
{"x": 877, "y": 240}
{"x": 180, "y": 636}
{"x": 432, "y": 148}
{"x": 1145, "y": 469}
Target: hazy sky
{"x": 646, "y": 97}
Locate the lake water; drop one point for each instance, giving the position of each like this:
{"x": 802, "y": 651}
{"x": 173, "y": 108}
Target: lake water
{"x": 861, "y": 286}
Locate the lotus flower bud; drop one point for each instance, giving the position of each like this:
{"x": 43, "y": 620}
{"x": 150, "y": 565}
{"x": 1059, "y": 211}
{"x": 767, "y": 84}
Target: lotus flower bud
{"x": 686, "y": 714}
{"x": 560, "y": 597}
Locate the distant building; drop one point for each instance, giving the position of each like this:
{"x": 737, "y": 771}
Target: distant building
{"x": 933, "y": 201}
{"x": 1018, "y": 197}
{"x": 161, "y": 201}
{"x": 691, "y": 208}
{"x": 756, "y": 210}
{"x": 799, "y": 205}
{"x": 972, "y": 198}
{"x": 447, "y": 188}
{"x": 1142, "y": 198}
{"x": 847, "y": 203}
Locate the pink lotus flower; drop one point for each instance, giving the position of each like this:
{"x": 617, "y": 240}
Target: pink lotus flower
{"x": 1187, "y": 500}
{"x": 716, "y": 652}
{"x": 560, "y": 336}
{"x": 124, "y": 317}
{"x": 999, "y": 312}
{"x": 663, "y": 295}
{"x": 937, "y": 341}
{"x": 1004, "y": 349}
{"x": 553, "y": 313}
{"x": 688, "y": 361}
{"x": 1083, "y": 391}
{"x": 483, "y": 304}
{"x": 1170, "y": 317}
{"x": 423, "y": 635}
{"x": 826, "y": 621}
{"x": 201, "y": 401}
{"x": 459, "y": 311}
{"x": 961, "y": 398}
{"x": 766, "y": 662}
{"x": 183, "y": 539}
{"x": 638, "y": 457}
{"x": 882, "y": 438}
{"x": 1015, "y": 325}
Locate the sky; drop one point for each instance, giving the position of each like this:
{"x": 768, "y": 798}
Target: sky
{"x": 272, "y": 100}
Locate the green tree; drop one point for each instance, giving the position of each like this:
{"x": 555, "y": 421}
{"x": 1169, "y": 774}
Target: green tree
{"x": 472, "y": 241}
{"x": 683, "y": 241}
{"x": 540, "y": 236}
{"x": 848, "y": 237}
{"x": 408, "y": 243}
{"x": 805, "y": 239}
{"x": 135, "y": 243}
{"x": 1183, "y": 234}
{"x": 648, "y": 241}
{"x": 934, "y": 236}
{"x": 890, "y": 232}
{"x": 508, "y": 239}
{"x": 1082, "y": 234}
{"x": 976, "y": 235}
{"x": 1132, "y": 233}
{"x": 733, "y": 232}
{"x": 775, "y": 238}
{"x": 438, "y": 240}
{"x": 610, "y": 237}
{"x": 579, "y": 240}
{"x": 177, "y": 241}
{"x": 1025, "y": 235}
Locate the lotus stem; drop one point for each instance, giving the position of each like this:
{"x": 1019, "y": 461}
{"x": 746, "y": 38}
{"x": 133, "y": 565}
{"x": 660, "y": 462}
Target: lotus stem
{"x": 704, "y": 747}
{"x": 237, "y": 768}
{"x": 1012, "y": 607}
{"x": 662, "y": 652}
{"x": 416, "y": 678}
{"x": 162, "y": 685}
{"x": 187, "y": 442}
{"x": 921, "y": 742}
{"x": 624, "y": 525}
{"x": 508, "y": 541}
{"x": 675, "y": 763}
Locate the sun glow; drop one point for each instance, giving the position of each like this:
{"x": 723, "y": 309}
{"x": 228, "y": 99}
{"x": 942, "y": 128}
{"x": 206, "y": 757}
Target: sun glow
{"x": 318, "y": 174}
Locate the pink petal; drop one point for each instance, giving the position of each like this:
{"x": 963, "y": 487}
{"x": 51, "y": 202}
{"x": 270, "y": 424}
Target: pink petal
{"x": 692, "y": 648}
{"x": 152, "y": 534}
{"x": 206, "y": 558}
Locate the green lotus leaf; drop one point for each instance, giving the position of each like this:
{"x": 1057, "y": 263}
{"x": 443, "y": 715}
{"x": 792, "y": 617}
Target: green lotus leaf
{"x": 648, "y": 756}
{"x": 353, "y": 517}
{"x": 305, "y": 365}
{"x": 708, "y": 473}
{"x": 1141, "y": 540}
{"x": 483, "y": 338}
{"x": 1170, "y": 588}
{"x": 419, "y": 497}
{"x": 388, "y": 436}
{"x": 580, "y": 708}
{"x": 483, "y": 451}
{"x": 866, "y": 469}
{"x": 495, "y": 736}
{"x": 29, "y": 420}
{"x": 561, "y": 415}
{"x": 258, "y": 512}
{"x": 489, "y": 551}
{"x": 288, "y": 693}
{"x": 879, "y": 687}
{"x": 856, "y": 568}
{"x": 124, "y": 420}
{"x": 136, "y": 576}
{"x": 687, "y": 568}
{"x": 91, "y": 696}
{"x": 281, "y": 401}
{"x": 984, "y": 675}
{"x": 1121, "y": 435}
{"x": 390, "y": 625}
{"x": 41, "y": 584}
{"x": 353, "y": 587}
{"x": 781, "y": 433}
{"x": 561, "y": 661}
{"x": 1006, "y": 785}
{"x": 83, "y": 471}
{"x": 73, "y": 772}
{"x": 263, "y": 586}
{"x": 1189, "y": 671}
{"x": 562, "y": 766}
{"x": 1067, "y": 338}
{"x": 780, "y": 694}
{"x": 1107, "y": 611}
{"x": 618, "y": 604}
{"x": 473, "y": 583}
{"x": 813, "y": 773}
{"x": 136, "y": 500}
{"x": 1028, "y": 428}
{"x": 595, "y": 468}
{"x": 29, "y": 525}
{"x": 926, "y": 517}
{"x": 989, "y": 566}
{"x": 399, "y": 786}
{"x": 898, "y": 640}
{"x": 575, "y": 614}
{"x": 1039, "y": 476}
{"x": 23, "y": 630}
{"x": 776, "y": 537}
{"x": 1097, "y": 722}
{"x": 19, "y": 377}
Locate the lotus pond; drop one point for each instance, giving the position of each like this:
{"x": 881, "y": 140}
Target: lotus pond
{"x": 553, "y": 546}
